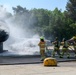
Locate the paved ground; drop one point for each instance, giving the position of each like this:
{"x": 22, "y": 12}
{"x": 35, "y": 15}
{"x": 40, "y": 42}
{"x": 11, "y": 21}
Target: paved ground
{"x": 29, "y": 59}
{"x": 63, "y": 68}
{"x": 22, "y": 59}
{"x": 31, "y": 65}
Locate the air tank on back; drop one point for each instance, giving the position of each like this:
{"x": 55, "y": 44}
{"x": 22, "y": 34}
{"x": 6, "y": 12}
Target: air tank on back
{"x": 4, "y": 34}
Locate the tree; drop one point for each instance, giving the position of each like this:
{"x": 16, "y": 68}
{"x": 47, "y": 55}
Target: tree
{"x": 57, "y": 23}
{"x": 41, "y": 20}
{"x": 21, "y": 16}
{"x": 71, "y": 9}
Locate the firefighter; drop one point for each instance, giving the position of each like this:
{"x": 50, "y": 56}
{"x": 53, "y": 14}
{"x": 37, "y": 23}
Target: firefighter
{"x": 42, "y": 45}
{"x": 73, "y": 38}
{"x": 65, "y": 48}
{"x": 74, "y": 43}
{"x": 56, "y": 47}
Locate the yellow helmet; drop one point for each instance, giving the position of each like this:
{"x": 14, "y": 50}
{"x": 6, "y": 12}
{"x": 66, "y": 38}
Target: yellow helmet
{"x": 74, "y": 37}
{"x": 41, "y": 37}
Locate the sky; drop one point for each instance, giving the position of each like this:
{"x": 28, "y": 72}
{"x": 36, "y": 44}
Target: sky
{"x": 30, "y": 4}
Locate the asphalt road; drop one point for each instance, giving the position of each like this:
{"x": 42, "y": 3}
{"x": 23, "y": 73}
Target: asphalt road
{"x": 31, "y": 59}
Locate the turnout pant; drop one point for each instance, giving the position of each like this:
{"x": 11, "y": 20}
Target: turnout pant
{"x": 65, "y": 50}
{"x": 42, "y": 53}
{"x": 56, "y": 49}
{"x": 74, "y": 49}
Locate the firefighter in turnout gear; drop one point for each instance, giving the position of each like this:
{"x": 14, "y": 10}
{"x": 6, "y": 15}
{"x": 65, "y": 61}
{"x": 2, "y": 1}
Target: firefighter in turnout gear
{"x": 74, "y": 44}
{"x": 42, "y": 46}
{"x": 56, "y": 47}
{"x": 65, "y": 48}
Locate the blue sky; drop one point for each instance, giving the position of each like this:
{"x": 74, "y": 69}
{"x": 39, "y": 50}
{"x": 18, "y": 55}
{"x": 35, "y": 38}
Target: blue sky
{"x": 30, "y": 4}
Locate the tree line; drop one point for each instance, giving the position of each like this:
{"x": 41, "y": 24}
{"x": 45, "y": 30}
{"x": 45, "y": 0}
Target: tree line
{"x": 47, "y": 23}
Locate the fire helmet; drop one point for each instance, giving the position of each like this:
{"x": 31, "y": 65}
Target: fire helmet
{"x": 41, "y": 37}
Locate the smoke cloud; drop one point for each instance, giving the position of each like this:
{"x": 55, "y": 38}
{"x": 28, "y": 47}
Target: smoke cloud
{"x": 21, "y": 40}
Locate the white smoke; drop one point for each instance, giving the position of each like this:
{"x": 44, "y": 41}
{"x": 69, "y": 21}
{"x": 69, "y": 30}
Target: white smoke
{"x": 18, "y": 43}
